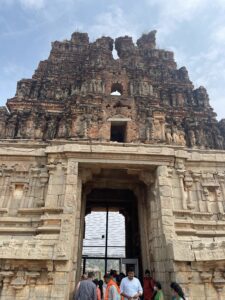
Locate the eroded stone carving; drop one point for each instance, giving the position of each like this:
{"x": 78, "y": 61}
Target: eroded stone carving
{"x": 59, "y": 109}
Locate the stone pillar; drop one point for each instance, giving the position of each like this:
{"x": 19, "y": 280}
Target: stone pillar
{"x": 2, "y": 187}
{"x": 218, "y": 283}
{"x": 188, "y": 185}
{"x": 70, "y": 228}
{"x": 142, "y": 193}
{"x": 207, "y": 198}
{"x": 196, "y": 178}
{"x": 219, "y": 200}
{"x": 206, "y": 279}
{"x": 181, "y": 179}
{"x": 43, "y": 182}
{"x": 32, "y": 187}
{"x": 55, "y": 184}
{"x": 50, "y": 200}
{"x": 7, "y": 275}
{"x": 165, "y": 231}
{"x": 221, "y": 178}
{"x": 32, "y": 277}
{"x": 6, "y": 187}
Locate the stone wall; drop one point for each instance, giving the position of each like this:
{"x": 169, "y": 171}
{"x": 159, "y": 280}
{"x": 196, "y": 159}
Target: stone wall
{"x": 40, "y": 223}
{"x": 181, "y": 212}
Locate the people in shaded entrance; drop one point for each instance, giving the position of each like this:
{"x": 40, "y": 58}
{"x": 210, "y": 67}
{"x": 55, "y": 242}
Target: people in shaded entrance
{"x": 114, "y": 275}
{"x": 120, "y": 277}
{"x": 148, "y": 286}
{"x": 98, "y": 291}
{"x": 158, "y": 295}
{"x": 112, "y": 291}
{"x": 83, "y": 277}
{"x": 177, "y": 292}
{"x": 130, "y": 287}
{"x": 100, "y": 284}
{"x": 86, "y": 289}
{"x": 117, "y": 277}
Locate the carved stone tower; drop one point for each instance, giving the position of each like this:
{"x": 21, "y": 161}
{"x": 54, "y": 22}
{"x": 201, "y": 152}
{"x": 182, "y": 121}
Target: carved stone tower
{"x": 133, "y": 130}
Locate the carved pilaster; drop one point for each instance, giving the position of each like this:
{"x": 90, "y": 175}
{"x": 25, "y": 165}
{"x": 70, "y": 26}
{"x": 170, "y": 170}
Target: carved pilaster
{"x": 6, "y": 275}
{"x": 207, "y": 198}
{"x": 71, "y": 185}
{"x": 50, "y": 278}
{"x": 221, "y": 179}
{"x": 7, "y": 173}
{"x": 219, "y": 200}
{"x": 53, "y": 185}
{"x": 196, "y": 179}
{"x": 188, "y": 181}
{"x": 218, "y": 283}
{"x": 181, "y": 180}
{"x": 206, "y": 278}
{"x": 32, "y": 277}
{"x": 43, "y": 182}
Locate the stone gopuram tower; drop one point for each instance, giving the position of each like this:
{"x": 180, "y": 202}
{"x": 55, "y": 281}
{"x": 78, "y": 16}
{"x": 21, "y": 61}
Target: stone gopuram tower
{"x": 153, "y": 150}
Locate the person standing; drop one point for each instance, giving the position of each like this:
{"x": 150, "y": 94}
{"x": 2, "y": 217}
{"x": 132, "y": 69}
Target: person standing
{"x": 177, "y": 292}
{"x": 112, "y": 290}
{"x": 100, "y": 284}
{"x": 130, "y": 287}
{"x": 83, "y": 277}
{"x": 86, "y": 289}
{"x": 148, "y": 286}
{"x": 97, "y": 289}
{"x": 159, "y": 293}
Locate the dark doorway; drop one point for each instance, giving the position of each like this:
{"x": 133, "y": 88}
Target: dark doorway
{"x": 118, "y": 132}
{"x": 115, "y": 241}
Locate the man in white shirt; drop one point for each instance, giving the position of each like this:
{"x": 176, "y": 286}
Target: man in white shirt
{"x": 130, "y": 287}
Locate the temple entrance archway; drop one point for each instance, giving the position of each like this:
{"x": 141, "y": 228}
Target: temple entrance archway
{"x": 112, "y": 195}
{"x": 112, "y": 233}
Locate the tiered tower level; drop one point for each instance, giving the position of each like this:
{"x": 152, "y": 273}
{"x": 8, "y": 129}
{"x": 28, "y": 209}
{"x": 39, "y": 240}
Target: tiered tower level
{"x": 69, "y": 96}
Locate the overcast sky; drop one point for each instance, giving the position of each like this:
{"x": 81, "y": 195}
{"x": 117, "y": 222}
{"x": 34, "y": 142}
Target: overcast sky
{"x": 193, "y": 29}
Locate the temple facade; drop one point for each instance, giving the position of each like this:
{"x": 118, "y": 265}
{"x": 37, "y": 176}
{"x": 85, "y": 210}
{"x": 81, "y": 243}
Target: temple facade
{"x": 131, "y": 132}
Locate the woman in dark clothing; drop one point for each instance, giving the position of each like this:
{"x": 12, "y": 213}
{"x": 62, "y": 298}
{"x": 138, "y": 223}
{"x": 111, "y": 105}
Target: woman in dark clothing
{"x": 177, "y": 292}
{"x": 100, "y": 285}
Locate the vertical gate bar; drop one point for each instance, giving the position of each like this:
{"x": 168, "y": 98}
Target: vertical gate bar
{"x": 106, "y": 238}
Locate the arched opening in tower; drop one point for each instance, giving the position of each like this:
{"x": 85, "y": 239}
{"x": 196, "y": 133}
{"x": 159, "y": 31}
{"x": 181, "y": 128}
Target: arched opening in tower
{"x": 116, "y": 89}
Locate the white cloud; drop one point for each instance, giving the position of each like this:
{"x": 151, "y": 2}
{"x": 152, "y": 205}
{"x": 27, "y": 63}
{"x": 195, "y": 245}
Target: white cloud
{"x": 32, "y": 4}
{"x": 112, "y": 22}
{"x": 26, "y": 4}
{"x": 219, "y": 35}
{"x": 6, "y": 2}
{"x": 11, "y": 69}
{"x": 178, "y": 9}
{"x": 173, "y": 12}
{"x": 207, "y": 69}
